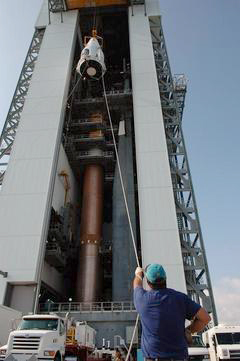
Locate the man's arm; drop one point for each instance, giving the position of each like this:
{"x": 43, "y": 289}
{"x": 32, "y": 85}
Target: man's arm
{"x": 137, "y": 282}
{"x": 201, "y": 319}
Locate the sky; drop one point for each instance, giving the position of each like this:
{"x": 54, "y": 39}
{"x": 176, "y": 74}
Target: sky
{"x": 203, "y": 43}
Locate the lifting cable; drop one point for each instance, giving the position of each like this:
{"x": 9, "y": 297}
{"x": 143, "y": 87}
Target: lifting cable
{"x": 125, "y": 201}
{"x": 74, "y": 87}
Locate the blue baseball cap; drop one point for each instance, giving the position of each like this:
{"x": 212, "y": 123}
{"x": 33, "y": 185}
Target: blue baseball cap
{"x": 155, "y": 272}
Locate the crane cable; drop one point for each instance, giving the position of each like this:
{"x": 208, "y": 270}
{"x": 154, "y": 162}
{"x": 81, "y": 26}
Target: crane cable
{"x": 125, "y": 201}
{"x": 73, "y": 89}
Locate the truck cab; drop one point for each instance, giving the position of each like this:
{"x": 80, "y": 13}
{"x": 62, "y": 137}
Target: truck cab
{"x": 223, "y": 342}
{"x": 37, "y": 337}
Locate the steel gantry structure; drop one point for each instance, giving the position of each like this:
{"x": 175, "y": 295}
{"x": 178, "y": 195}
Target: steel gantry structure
{"x": 172, "y": 92}
{"x": 16, "y": 106}
{"x": 149, "y": 103}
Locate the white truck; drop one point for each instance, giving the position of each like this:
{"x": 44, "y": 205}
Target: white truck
{"x": 223, "y": 342}
{"x": 48, "y": 337}
{"x": 37, "y": 337}
{"x": 198, "y": 351}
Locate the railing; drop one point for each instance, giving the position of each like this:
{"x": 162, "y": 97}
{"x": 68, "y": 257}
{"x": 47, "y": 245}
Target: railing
{"x": 87, "y": 307}
{"x": 86, "y": 154}
{"x": 118, "y": 92}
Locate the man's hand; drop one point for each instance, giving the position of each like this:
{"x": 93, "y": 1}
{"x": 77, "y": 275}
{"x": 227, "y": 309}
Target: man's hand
{"x": 137, "y": 282}
{"x": 139, "y": 272}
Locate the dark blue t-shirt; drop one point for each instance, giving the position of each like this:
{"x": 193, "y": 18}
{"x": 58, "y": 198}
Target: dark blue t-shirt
{"x": 163, "y": 313}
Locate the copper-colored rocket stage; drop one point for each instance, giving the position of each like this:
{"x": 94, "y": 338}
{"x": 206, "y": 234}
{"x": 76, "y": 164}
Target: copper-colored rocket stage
{"x": 88, "y": 279}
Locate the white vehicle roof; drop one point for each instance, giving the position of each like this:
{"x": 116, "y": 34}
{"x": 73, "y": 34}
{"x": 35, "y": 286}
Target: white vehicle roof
{"x": 224, "y": 328}
{"x": 53, "y": 316}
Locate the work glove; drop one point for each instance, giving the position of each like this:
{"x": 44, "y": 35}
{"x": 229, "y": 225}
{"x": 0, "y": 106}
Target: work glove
{"x": 139, "y": 273}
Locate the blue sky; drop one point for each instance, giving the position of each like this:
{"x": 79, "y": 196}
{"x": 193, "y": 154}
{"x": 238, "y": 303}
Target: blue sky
{"x": 203, "y": 42}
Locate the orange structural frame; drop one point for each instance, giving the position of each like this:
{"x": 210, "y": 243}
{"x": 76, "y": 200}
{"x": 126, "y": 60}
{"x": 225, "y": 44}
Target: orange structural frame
{"x": 77, "y": 4}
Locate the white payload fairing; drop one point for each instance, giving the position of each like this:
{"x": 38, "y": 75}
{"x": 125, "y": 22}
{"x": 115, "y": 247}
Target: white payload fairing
{"x": 91, "y": 64}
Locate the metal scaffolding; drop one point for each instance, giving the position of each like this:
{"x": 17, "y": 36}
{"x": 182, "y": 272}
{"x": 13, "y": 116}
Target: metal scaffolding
{"x": 172, "y": 93}
{"x": 16, "y": 107}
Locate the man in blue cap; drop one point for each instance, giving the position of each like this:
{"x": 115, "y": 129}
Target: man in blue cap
{"x": 163, "y": 312}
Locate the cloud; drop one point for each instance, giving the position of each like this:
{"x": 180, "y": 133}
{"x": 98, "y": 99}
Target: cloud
{"x": 227, "y": 299}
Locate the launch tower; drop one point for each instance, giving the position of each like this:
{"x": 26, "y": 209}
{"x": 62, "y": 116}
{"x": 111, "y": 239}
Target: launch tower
{"x": 64, "y": 235}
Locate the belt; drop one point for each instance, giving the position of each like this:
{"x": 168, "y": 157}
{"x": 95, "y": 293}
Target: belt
{"x": 163, "y": 359}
